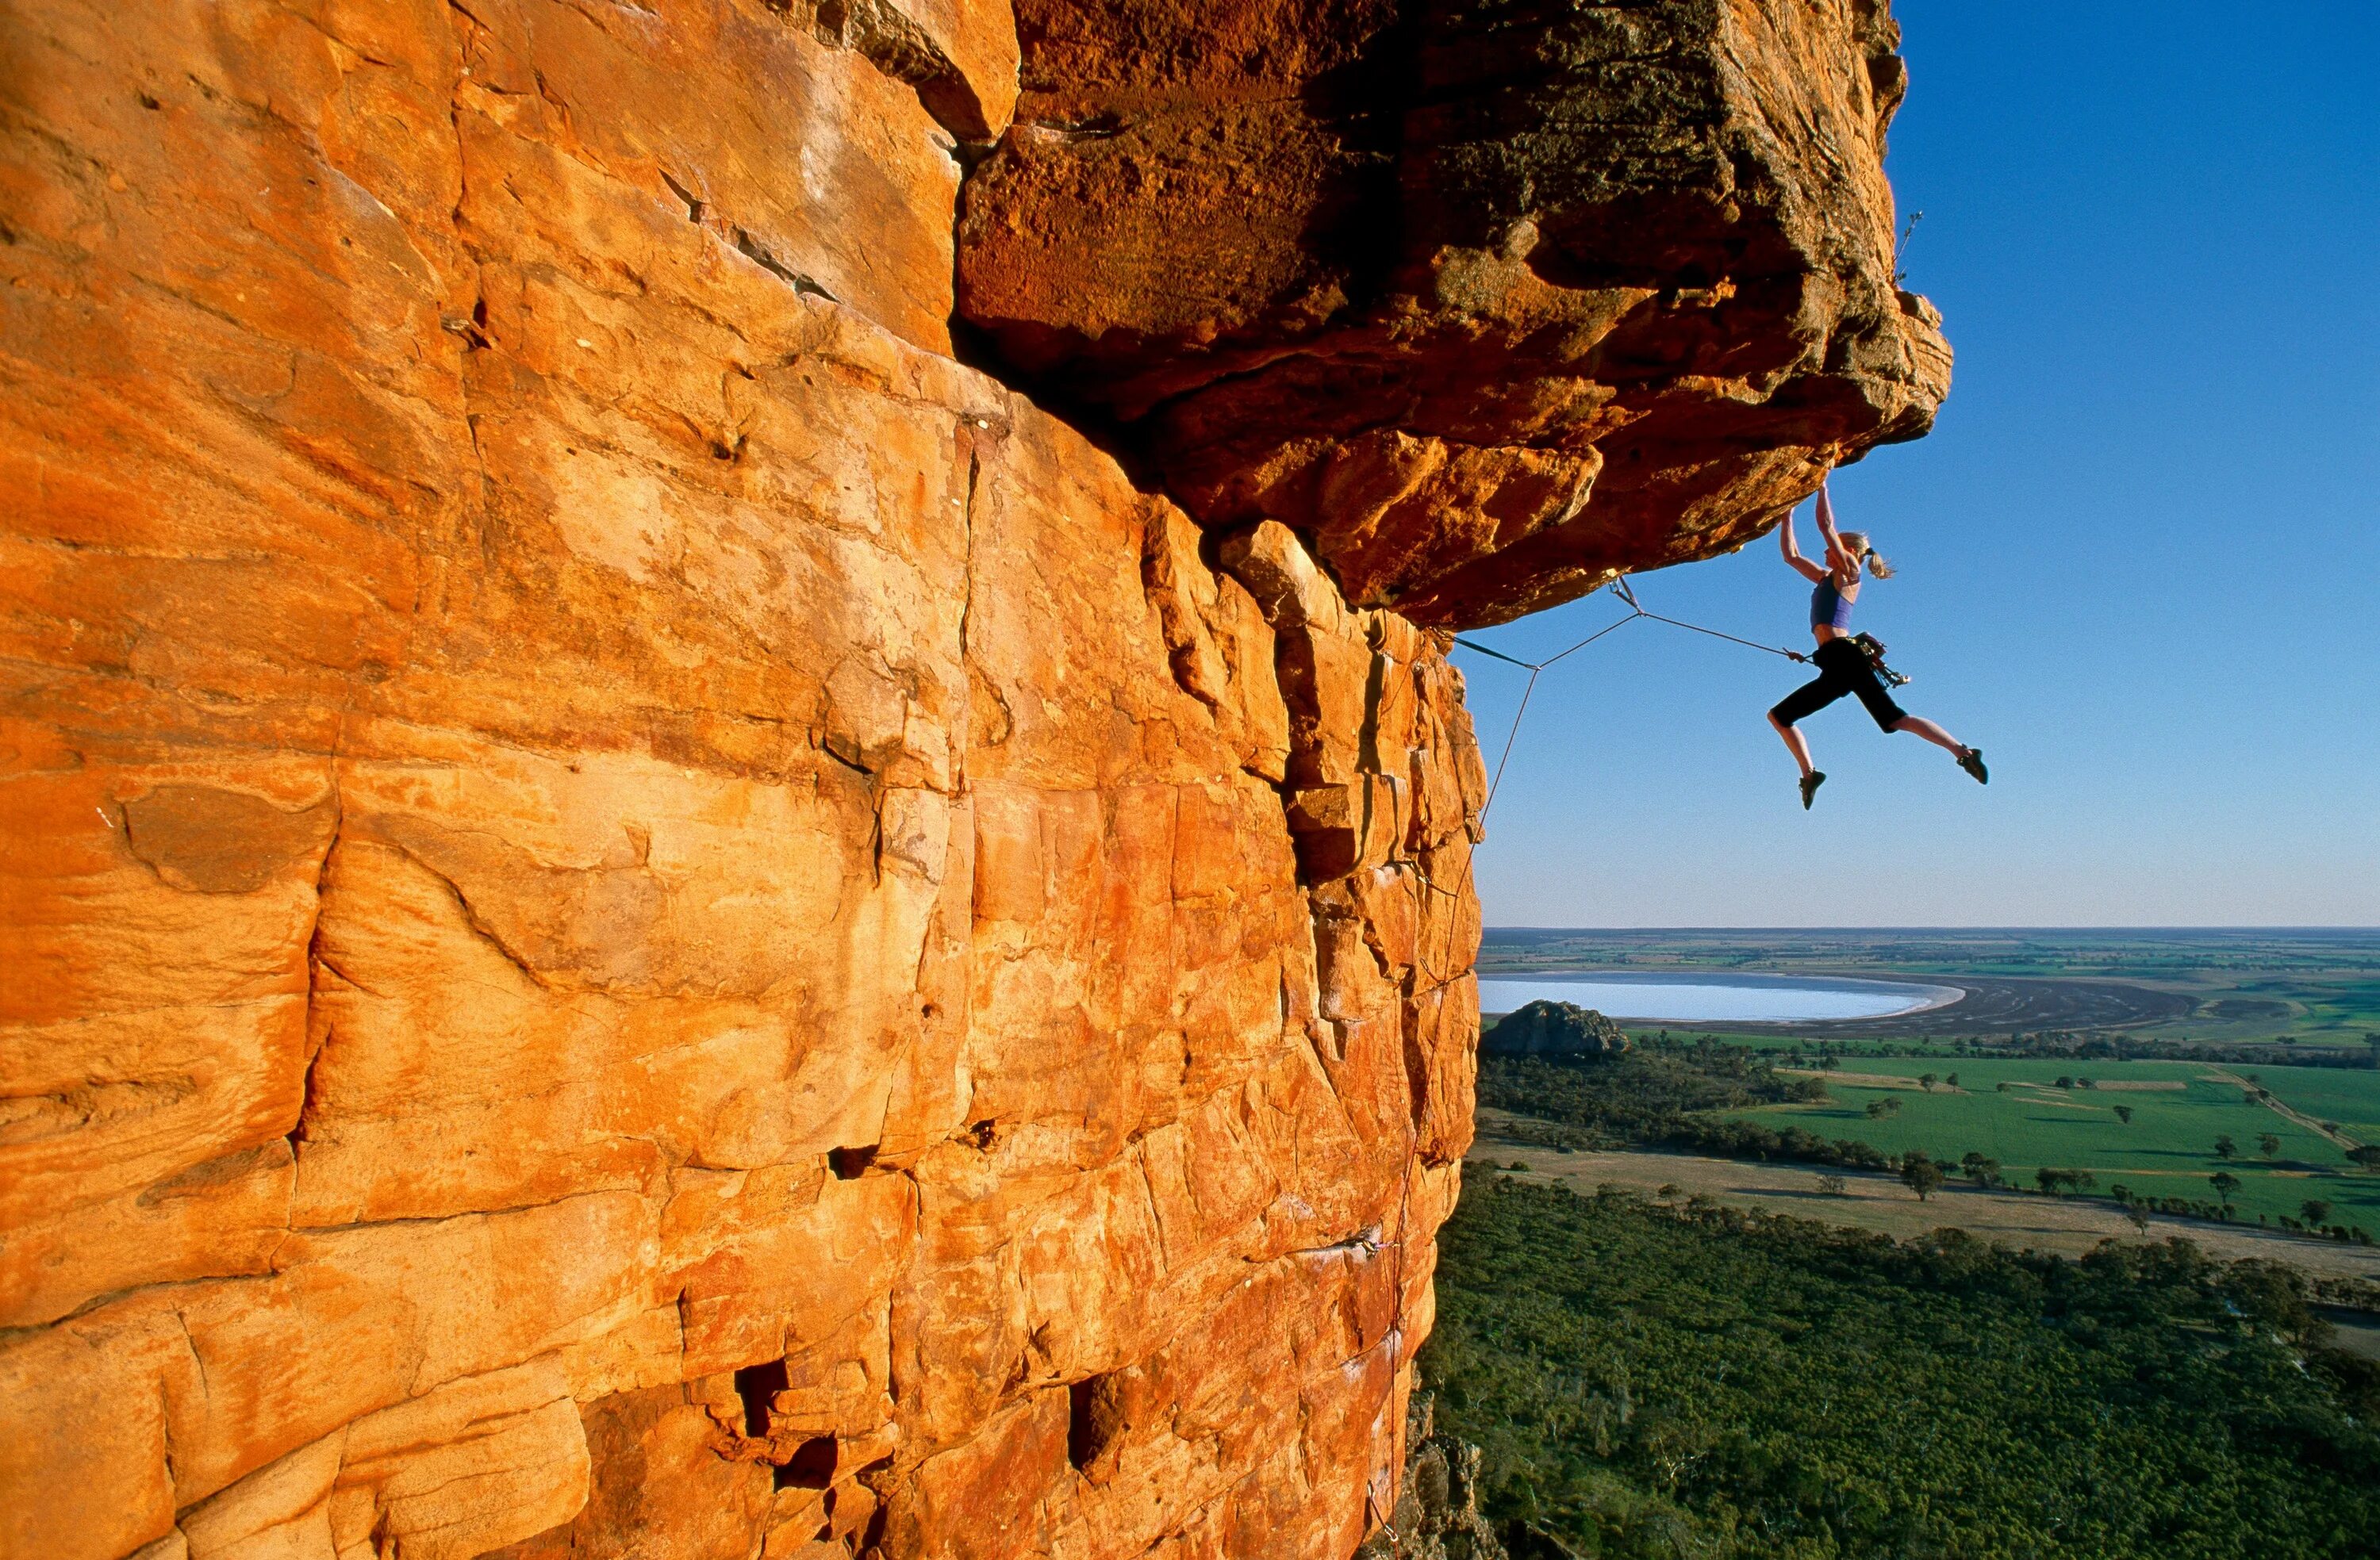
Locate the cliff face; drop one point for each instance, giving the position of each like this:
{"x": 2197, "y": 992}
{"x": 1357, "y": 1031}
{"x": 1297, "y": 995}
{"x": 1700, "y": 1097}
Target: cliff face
{"x": 645, "y": 918}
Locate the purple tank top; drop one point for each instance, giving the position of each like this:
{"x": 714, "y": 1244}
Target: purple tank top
{"x": 1829, "y": 608}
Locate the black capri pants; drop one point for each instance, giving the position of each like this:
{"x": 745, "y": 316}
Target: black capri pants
{"x": 1842, "y": 669}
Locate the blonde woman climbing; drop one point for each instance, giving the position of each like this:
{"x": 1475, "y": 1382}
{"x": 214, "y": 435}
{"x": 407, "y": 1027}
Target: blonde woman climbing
{"x": 1847, "y": 664}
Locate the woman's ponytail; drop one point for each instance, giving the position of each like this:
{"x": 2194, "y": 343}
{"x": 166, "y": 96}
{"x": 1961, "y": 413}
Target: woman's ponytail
{"x": 1854, "y": 544}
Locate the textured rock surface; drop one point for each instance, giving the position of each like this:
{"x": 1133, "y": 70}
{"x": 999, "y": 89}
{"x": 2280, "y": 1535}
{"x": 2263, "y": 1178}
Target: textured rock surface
{"x": 644, "y": 918}
{"x": 1488, "y": 298}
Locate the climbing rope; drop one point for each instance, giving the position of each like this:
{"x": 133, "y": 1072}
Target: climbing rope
{"x": 1629, "y": 597}
{"x": 1635, "y": 610}
{"x": 1536, "y": 669}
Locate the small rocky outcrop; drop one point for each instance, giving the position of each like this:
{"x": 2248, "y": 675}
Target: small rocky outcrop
{"x": 1436, "y": 1515}
{"x": 1554, "y": 1029}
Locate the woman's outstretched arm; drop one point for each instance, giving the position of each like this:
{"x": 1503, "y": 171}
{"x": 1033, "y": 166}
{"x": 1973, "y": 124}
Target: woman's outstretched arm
{"x": 1792, "y": 549}
{"x": 1839, "y": 563}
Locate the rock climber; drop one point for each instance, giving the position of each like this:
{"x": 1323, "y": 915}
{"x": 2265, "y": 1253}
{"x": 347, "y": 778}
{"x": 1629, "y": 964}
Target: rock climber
{"x": 1847, "y": 665}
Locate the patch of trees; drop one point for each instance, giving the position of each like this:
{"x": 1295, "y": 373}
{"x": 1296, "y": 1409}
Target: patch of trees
{"x": 1695, "y": 1381}
{"x": 1649, "y": 1096}
{"x": 1637, "y": 1094}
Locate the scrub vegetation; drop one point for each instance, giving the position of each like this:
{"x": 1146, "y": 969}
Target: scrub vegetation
{"x": 1697, "y": 1382}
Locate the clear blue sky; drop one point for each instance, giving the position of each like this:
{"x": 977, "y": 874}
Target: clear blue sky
{"x": 2140, "y": 553}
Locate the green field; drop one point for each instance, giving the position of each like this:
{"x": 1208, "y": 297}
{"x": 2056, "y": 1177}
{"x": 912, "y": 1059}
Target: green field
{"x": 2168, "y": 1149}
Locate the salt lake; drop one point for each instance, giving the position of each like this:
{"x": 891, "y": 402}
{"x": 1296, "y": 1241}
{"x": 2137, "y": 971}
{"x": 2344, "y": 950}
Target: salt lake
{"x": 1713, "y": 998}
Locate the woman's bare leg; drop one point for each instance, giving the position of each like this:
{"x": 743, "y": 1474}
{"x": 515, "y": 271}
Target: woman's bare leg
{"x": 1797, "y": 746}
{"x": 1918, "y": 726}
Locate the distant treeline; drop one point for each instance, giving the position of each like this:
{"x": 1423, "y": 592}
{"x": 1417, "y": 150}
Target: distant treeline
{"x": 2223, "y": 1213}
{"x": 2127, "y": 1048}
{"x": 2083, "y": 1046}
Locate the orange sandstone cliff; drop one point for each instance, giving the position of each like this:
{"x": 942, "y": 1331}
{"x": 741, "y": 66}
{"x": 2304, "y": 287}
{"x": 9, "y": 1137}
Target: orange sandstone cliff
{"x": 645, "y": 917}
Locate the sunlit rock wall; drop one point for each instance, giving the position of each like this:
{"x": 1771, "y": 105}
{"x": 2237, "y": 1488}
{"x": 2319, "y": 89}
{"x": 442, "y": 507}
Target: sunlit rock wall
{"x": 644, "y": 918}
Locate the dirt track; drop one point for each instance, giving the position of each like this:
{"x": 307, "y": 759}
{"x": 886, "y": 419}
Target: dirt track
{"x": 2285, "y": 1112}
{"x": 2067, "y": 1225}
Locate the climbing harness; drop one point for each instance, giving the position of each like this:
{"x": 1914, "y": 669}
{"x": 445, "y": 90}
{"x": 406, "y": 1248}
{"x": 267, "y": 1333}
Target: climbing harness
{"x": 1873, "y": 648}
{"x": 1536, "y": 668}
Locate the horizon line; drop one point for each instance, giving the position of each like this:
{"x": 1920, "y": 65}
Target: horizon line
{"x": 1979, "y": 927}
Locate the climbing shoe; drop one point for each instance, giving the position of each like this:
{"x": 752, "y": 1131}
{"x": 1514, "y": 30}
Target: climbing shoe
{"x": 1973, "y": 764}
{"x": 1810, "y": 783}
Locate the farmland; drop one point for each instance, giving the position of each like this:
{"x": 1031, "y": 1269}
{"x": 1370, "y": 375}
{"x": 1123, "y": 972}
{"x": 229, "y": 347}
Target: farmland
{"x": 2016, "y": 1112}
{"x": 1877, "y": 1200}
{"x": 2312, "y": 988}
{"x": 1708, "y": 1292}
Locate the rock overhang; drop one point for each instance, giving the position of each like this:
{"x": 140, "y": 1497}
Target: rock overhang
{"x": 1489, "y": 299}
